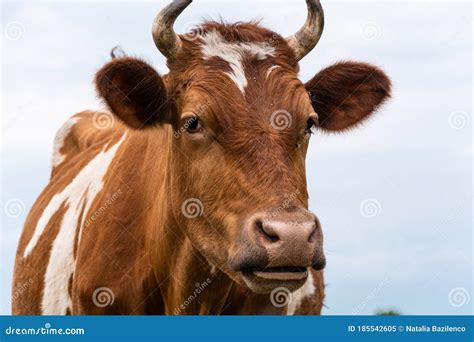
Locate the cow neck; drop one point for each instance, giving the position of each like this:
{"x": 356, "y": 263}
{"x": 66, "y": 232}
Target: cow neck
{"x": 187, "y": 283}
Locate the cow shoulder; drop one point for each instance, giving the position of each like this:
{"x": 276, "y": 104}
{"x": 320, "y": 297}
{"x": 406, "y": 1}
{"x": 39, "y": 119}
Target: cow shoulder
{"x": 80, "y": 132}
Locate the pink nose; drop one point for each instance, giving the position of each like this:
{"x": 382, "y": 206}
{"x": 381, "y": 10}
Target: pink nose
{"x": 302, "y": 234}
{"x": 291, "y": 238}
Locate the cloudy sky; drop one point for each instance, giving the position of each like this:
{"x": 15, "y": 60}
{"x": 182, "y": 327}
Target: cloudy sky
{"x": 394, "y": 196}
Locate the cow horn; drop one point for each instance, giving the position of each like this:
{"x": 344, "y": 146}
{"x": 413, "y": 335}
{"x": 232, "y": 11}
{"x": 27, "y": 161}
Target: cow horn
{"x": 166, "y": 40}
{"x": 303, "y": 41}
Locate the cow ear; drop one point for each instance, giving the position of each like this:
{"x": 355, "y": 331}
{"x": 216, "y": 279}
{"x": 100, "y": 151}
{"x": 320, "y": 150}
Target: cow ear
{"x": 134, "y": 91}
{"x": 346, "y": 93}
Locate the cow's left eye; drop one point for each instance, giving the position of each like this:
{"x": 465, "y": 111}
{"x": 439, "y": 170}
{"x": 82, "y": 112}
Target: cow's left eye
{"x": 309, "y": 126}
{"x": 311, "y": 123}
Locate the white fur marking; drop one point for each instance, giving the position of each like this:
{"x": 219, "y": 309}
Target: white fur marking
{"x": 77, "y": 196}
{"x": 215, "y": 46}
{"x": 59, "y": 139}
{"x": 305, "y": 291}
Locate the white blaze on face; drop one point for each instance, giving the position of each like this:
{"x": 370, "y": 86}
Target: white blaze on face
{"x": 214, "y": 45}
{"x": 78, "y": 196}
{"x": 61, "y": 136}
{"x": 307, "y": 290}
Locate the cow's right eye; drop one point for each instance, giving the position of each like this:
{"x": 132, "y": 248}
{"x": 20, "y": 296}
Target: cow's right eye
{"x": 193, "y": 124}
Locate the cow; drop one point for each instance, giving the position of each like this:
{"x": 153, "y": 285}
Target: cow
{"x": 189, "y": 195}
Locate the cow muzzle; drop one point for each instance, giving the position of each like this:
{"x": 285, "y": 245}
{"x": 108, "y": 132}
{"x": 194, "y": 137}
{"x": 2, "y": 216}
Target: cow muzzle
{"x": 278, "y": 249}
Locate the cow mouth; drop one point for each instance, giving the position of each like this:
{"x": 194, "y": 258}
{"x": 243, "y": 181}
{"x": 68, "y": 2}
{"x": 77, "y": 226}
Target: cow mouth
{"x": 280, "y": 273}
{"x": 263, "y": 280}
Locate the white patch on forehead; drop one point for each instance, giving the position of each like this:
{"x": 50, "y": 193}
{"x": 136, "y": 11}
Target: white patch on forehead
{"x": 59, "y": 139}
{"x": 307, "y": 290}
{"x": 270, "y": 69}
{"x": 214, "y": 45}
{"x": 78, "y": 196}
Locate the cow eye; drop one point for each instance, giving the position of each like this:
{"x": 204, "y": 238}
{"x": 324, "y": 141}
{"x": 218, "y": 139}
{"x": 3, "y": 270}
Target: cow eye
{"x": 193, "y": 124}
{"x": 311, "y": 123}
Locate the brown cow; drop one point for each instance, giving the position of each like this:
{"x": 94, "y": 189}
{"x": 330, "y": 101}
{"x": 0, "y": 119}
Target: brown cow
{"x": 195, "y": 202}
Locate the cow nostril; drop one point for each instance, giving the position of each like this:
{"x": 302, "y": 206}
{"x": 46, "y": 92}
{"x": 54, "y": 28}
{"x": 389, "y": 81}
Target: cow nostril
{"x": 270, "y": 236}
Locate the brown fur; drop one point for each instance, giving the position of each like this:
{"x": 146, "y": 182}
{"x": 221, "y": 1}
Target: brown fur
{"x": 143, "y": 248}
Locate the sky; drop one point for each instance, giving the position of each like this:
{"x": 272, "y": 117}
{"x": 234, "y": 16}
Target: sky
{"x": 394, "y": 196}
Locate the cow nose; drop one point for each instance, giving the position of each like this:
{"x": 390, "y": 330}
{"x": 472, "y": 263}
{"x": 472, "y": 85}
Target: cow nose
{"x": 301, "y": 233}
{"x": 290, "y": 238}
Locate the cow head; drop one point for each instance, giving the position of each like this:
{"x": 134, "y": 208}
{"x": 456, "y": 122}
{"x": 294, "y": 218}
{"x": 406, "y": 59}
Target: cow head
{"x": 239, "y": 122}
